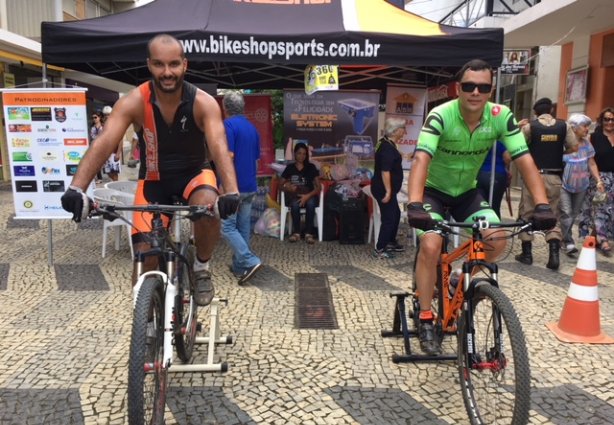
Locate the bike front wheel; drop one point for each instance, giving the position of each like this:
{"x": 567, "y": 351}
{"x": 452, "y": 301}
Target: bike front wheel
{"x": 147, "y": 375}
{"x": 185, "y": 307}
{"x": 493, "y": 362}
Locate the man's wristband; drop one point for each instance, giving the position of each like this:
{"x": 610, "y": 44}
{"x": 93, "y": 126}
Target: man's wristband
{"x": 75, "y": 188}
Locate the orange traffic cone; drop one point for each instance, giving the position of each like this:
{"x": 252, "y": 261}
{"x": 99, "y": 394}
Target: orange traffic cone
{"x": 579, "y": 320}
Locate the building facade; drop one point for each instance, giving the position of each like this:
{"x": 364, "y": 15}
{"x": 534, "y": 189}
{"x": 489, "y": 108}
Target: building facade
{"x": 20, "y": 52}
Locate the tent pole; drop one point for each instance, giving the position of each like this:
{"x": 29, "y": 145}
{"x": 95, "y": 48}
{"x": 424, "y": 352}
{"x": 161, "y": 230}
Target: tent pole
{"x": 494, "y": 147}
{"x": 49, "y": 221}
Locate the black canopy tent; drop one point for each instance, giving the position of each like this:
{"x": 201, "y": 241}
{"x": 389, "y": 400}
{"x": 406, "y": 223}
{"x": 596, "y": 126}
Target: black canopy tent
{"x": 267, "y": 43}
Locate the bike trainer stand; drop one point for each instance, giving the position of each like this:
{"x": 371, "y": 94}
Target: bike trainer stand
{"x": 400, "y": 329}
{"x": 213, "y": 339}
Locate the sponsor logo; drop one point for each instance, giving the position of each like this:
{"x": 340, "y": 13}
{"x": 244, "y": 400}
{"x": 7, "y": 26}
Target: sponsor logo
{"x": 41, "y": 113}
{"x": 17, "y": 113}
{"x": 23, "y": 171}
{"x": 22, "y": 156}
{"x": 46, "y": 129}
{"x": 26, "y": 186}
{"x": 60, "y": 114}
{"x": 28, "y": 204}
{"x": 53, "y": 186}
{"x": 184, "y": 119}
{"x": 72, "y": 130}
{"x": 71, "y": 169}
{"x": 50, "y": 170}
{"x": 20, "y": 128}
{"x": 20, "y": 143}
{"x": 496, "y": 110}
{"x": 75, "y": 142}
{"x": 72, "y": 156}
{"x": 53, "y": 207}
{"x": 49, "y": 156}
{"x": 47, "y": 141}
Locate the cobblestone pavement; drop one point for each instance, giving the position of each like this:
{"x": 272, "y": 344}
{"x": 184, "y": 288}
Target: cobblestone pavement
{"x": 65, "y": 329}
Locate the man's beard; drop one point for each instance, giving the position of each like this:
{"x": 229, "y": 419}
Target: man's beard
{"x": 178, "y": 83}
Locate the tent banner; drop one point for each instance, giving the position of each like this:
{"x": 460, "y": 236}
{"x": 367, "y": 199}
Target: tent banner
{"x": 407, "y": 103}
{"x": 321, "y": 77}
{"x": 258, "y": 110}
{"x": 47, "y": 135}
{"x": 333, "y": 124}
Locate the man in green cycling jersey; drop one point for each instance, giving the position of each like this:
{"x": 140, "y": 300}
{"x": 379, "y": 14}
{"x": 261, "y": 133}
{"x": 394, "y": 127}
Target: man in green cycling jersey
{"x": 453, "y": 142}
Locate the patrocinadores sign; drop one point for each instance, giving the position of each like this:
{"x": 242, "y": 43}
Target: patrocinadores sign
{"x": 46, "y": 133}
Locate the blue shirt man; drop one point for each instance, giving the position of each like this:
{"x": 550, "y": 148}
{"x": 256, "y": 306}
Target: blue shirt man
{"x": 244, "y": 147}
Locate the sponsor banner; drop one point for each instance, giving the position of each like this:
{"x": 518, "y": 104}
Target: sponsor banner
{"x": 333, "y": 124}
{"x": 259, "y": 111}
{"x": 47, "y": 134}
{"x": 407, "y": 103}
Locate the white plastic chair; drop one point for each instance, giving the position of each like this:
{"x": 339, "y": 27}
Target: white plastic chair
{"x": 106, "y": 196}
{"x": 375, "y": 219}
{"x": 126, "y": 186}
{"x": 319, "y": 217}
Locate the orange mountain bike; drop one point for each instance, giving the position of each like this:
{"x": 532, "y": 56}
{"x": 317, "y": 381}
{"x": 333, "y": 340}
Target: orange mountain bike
{"x": 491, "y": 357}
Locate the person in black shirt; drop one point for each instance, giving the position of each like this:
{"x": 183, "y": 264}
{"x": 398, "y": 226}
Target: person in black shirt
{"x": 385, "y": 184}
{"x": 301, "y": 184}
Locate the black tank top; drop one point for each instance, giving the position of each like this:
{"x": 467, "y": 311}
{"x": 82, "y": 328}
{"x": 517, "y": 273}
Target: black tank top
{"x": 547, "y": 144}
{"x": 181, "y": 146}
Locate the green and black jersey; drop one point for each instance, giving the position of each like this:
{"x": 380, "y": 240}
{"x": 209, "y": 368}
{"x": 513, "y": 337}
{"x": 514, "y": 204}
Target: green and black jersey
{"x": 457, "y": 154}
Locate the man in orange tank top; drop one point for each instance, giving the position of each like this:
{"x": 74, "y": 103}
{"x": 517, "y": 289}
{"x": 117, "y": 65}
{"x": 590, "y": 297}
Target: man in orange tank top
{"x": 177, "y": 123}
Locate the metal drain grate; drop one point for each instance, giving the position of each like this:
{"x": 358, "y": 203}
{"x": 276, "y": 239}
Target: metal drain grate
{"x": 314, "y": 302}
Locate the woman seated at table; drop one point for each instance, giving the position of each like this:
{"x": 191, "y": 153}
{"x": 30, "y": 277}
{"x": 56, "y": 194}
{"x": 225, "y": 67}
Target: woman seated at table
{"x": 300, "y": 182}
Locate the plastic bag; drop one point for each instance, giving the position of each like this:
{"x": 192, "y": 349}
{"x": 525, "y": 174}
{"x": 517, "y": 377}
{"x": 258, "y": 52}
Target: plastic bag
{"x": 268, "y": 224}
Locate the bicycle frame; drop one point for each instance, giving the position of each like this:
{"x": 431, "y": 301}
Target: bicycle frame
{"x": 474, "y": 255}
{"x": 167, "y": 254}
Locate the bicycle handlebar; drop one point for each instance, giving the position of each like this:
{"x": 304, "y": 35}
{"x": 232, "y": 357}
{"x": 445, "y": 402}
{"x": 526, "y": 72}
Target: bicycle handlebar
{"x": 481, "y": 223}
{"x": 193, "y": 211}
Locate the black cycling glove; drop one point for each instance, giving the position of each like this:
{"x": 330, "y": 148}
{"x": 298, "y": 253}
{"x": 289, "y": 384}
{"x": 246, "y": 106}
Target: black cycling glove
{"x": 543, "y": 217}
{"x": 76, "y": 202}
{"x": 418, "y": 217}
{"x": 228, "y": 204}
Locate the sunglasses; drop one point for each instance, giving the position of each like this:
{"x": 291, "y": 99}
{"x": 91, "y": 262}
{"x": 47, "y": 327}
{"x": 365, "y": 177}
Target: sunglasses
{"x": 470, "y": 87}
{"x": 608, "y": 119}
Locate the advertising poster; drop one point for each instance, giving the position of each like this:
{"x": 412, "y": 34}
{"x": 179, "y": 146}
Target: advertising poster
{"x": 332, "y": 124}
{"x": 258, "y": 110}
{"x": 47, "y": 135}
{"x": 407, "y": 103}
{"x": 515, "y": 62}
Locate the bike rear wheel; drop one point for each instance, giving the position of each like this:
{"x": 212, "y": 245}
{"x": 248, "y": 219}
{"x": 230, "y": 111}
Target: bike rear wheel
{"x": 147, "y": 376}
{"x": 185, "y": 307}
{"x": 494, "y": 371}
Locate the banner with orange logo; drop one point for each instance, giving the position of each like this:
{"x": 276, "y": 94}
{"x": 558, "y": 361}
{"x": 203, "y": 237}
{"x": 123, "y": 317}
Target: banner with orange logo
{"x": 47, "y": 135}
{"x": 407, "y": 103}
